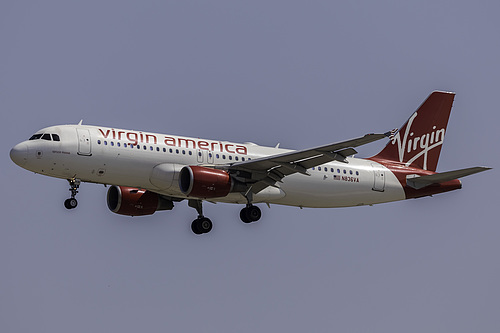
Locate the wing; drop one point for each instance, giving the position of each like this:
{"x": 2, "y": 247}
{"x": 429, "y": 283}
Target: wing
{"x": 267, "y": 171}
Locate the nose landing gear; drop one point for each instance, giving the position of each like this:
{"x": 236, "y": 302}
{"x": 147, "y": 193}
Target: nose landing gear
{"x": 74, "y": 185}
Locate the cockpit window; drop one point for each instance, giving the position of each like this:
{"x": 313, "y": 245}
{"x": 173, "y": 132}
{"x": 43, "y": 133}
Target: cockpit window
{"x": 46, "y": 136}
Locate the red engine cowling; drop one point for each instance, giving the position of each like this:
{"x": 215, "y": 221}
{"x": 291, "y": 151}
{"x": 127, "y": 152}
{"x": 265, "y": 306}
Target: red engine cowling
{"x": 201, "y": 182}
{"x": 131, "y": 201}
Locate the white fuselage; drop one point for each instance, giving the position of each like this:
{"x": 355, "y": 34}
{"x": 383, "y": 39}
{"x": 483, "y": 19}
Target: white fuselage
{"x": 131, "y": 158}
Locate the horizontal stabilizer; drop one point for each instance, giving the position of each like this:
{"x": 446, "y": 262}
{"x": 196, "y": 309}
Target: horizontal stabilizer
{"x": 418, "y": 182}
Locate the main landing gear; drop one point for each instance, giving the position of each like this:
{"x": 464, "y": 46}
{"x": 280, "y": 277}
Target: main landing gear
{"x": 71, "y": 202}
{"x": 250, "y": 214}
{"x": 202, "y": 224}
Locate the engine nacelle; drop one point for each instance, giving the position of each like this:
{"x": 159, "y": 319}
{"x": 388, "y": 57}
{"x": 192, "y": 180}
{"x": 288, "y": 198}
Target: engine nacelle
{"x": 135, "y": 202}
{"x": 201, "y": 182}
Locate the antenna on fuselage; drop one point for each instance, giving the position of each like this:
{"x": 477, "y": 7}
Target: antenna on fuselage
{"x": 81, "y": 121}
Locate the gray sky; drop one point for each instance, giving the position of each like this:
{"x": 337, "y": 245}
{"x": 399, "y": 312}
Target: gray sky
{"x": 299, "y": 73}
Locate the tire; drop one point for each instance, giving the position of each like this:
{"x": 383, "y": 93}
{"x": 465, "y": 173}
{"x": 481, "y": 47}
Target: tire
{"x": 201, "y": 226}
{"x": 253, "y": 213}
{"x": 244, "y": 215}
{"x": 70, "y": 203}
{"x": 205, "y": 225}
{"x": 195, "y": 227}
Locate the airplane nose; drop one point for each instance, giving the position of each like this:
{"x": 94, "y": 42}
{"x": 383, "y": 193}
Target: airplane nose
{"x": 19, "y": 154}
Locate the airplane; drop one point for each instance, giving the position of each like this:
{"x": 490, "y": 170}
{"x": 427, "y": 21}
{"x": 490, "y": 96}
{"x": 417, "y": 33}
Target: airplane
{"x": 149, "y": 172}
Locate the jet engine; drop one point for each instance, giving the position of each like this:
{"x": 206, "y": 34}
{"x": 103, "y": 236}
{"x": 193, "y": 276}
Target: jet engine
{"x": 202, "y": 182}
{"x": 135, "y": 202}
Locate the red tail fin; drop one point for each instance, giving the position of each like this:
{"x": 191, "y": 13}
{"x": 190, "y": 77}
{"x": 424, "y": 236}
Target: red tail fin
{"x": 418, "y": 142}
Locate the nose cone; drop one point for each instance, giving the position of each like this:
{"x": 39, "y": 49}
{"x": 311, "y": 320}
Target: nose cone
{"x": 19, "y": 154}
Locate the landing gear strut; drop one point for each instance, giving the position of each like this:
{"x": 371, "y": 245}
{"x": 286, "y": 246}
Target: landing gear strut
{"x": 74, "y": 185}
{"x": 202, "y": 224}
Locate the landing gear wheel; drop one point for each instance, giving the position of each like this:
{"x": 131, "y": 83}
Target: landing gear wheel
{"x": 70, "y": 203}
{"x": 243, "y": 215}
{"x": 201, "y": 225}
{"x": 254, "y": 213}
{"x": 250, "y": 214}
{"x": 195, "y": 227}
{"x": 205, "y": 225}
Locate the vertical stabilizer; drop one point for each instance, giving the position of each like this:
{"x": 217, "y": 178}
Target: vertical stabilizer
{"x": 418, "y": 142}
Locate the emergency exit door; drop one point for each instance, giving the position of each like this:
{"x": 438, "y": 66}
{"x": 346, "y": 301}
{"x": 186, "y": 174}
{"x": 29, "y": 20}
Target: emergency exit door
{"x": 378, "y": 178}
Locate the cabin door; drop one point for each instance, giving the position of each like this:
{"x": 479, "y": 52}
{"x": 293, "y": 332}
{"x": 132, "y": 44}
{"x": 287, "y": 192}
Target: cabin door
{"x": 84, "y": 144}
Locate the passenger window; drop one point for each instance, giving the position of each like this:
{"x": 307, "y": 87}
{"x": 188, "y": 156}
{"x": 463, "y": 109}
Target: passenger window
{"x": 243, "y": 159}
{"x": 345, "y": 171}
{"x": 338, "y": 170}
{"x": 46, "y": 136}
{"x": 170, "y": 150}
{"x": 236, "y": 158}
{"x": 151, "y": 148}
{"x": 230, "y": 157}
{"x": 112, "y": 143}
{"x": 36, "y": 137}
{"x": 98, "y": 142}
{"x": 183, "y": 152}
{"x": 350, "y": 172}
{"x": 55, "y": 137}
{"x": 118, "y": 144}
{"x": 105, "y": 142}
{"x": 357, "y": 173}
{"x": 157, "y": 148}
{"x": 164, "y": 150}
{"x": 125, "y": 145}
{"x": 190, "y": 152}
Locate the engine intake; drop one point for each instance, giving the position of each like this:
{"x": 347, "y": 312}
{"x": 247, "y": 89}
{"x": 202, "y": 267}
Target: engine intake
{"x": 135, "y": 202}
{"x": 201, "y": 182}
